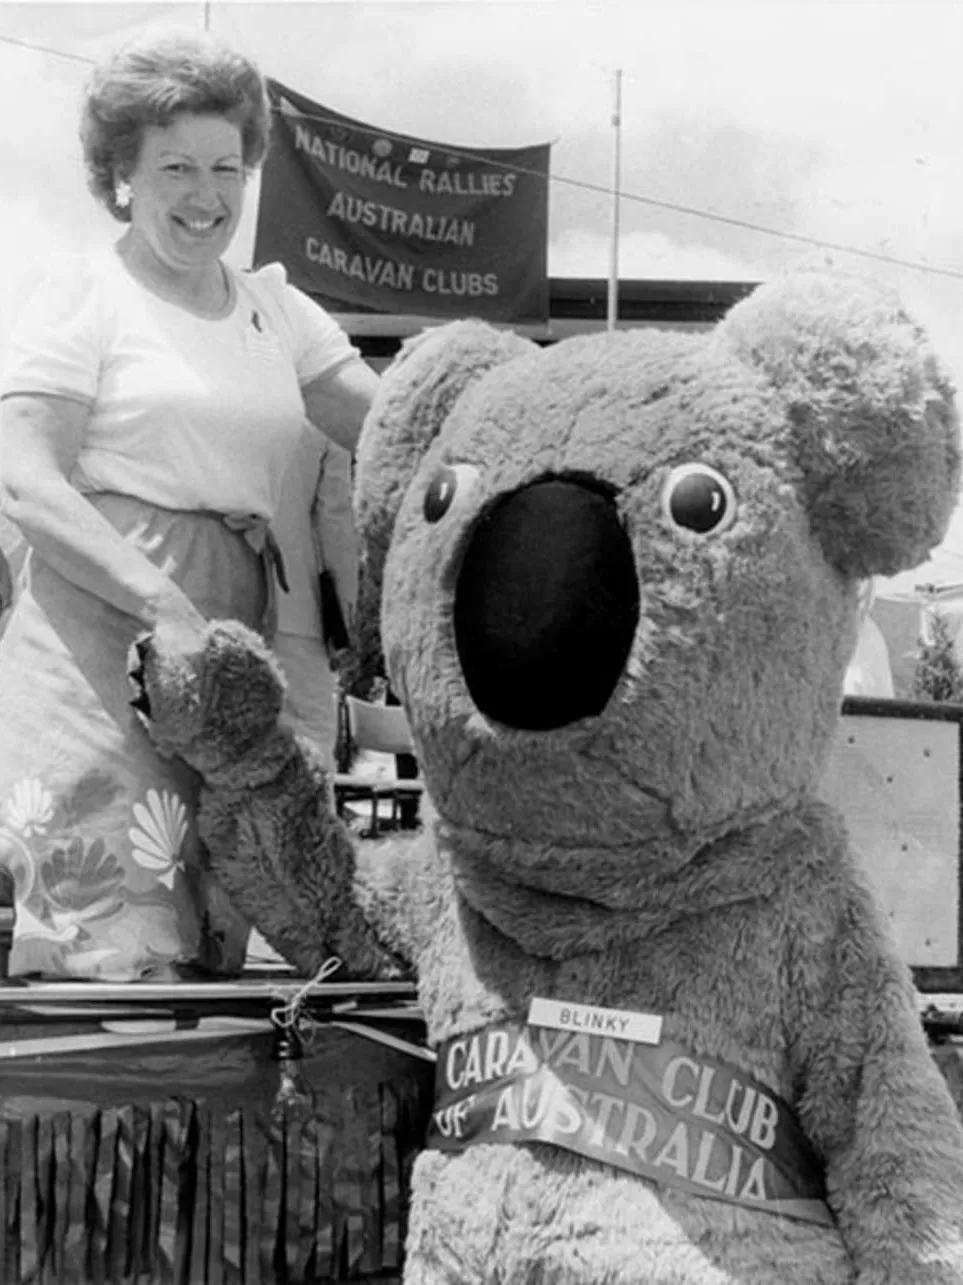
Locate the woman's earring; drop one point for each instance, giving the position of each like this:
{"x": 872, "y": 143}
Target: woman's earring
{"x": 122, "y": 195}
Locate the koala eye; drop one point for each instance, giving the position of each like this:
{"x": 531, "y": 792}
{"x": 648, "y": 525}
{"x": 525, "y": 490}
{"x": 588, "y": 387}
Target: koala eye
{"x": 696, "y": 497}
{"x": 452, "y": 481}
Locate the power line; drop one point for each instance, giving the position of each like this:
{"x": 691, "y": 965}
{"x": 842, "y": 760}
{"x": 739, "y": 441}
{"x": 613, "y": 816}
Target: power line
{"x": 672, "y": 207}
{"x": 799, "y": 237}
{"x": 45, "y": 49}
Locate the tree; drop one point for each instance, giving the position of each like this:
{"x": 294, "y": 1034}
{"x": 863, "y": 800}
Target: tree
{"x": 938, "y": 676}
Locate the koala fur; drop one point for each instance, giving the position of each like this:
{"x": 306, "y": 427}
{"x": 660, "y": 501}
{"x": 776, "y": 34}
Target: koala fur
{"x": 620, "y": 582}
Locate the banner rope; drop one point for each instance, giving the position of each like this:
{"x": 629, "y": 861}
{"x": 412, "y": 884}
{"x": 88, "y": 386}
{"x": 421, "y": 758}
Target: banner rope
{"x": 290, "y": 1016}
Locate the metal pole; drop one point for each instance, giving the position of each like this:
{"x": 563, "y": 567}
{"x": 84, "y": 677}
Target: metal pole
{"x": 207, "y": 15}
{"x": 612, "y": 311}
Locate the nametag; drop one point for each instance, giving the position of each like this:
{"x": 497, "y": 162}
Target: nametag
{"x": 590, "y": 1019}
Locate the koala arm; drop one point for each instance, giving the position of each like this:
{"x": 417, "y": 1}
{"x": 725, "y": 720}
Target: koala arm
{"x": 266, "y": 814}
{"x": 291, "y": 867}
{"x": 874, "y": 1103}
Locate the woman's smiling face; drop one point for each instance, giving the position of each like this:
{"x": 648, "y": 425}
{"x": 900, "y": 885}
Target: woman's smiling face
{"x": 188, "y": 189}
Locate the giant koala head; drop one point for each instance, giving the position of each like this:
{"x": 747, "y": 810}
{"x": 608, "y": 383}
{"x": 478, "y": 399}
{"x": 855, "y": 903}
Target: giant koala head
{"x": 619, "y": 576}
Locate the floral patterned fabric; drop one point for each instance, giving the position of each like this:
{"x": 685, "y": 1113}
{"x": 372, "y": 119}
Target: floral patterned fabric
{"x": 97, "y": 830}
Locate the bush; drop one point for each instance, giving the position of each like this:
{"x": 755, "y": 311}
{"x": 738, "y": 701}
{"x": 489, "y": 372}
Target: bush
{"x": 938, "y": 676}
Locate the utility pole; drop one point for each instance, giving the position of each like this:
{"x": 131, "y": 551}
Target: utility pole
{"x": 612, "y": 310}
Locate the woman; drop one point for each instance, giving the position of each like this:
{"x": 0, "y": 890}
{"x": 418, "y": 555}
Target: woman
{"x": 151, "y": 400}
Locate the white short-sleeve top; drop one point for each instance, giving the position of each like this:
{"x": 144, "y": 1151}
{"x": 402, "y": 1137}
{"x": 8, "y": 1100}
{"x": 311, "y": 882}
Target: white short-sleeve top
{"x": 186, "y": 412}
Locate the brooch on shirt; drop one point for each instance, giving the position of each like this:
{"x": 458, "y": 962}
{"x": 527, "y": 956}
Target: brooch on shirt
{"x": 259, "y": 340}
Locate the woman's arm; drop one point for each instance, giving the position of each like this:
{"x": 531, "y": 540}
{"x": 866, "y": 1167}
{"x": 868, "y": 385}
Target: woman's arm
{"x": 337, "y": 403}
{"x": 41, "y": 437}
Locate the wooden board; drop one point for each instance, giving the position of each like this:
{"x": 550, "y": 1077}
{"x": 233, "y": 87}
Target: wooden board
{"x": 895, "y": 776}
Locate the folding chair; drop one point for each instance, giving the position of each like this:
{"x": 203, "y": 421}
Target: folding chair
{"x": 381, "y": 729}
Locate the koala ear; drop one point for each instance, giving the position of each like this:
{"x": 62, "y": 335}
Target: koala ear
{"x": 416, "y": 394}
{"x": 871, "y": 417}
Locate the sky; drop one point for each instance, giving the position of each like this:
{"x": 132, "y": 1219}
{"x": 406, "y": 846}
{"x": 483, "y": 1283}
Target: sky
{"x": 827, "y": 121}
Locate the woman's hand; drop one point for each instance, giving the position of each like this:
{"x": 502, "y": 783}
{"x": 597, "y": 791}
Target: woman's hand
{"x": 175, "y": 611}
{"x": 42, "y": 437}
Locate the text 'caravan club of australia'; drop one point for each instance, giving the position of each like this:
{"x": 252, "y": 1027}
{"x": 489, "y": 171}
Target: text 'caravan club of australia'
{"x": 403, "y": 225}
{"x": 644, "y": 1105}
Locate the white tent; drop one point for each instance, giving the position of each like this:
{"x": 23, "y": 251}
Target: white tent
{"x": 903, "y": 603}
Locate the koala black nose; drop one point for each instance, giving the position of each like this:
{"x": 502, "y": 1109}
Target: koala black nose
{"x": 546, "y": 605}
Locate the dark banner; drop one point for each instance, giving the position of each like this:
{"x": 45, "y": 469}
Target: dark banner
{"x": 373, "y": 221}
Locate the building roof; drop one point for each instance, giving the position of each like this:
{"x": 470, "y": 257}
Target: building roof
{"x": 577, "y": 305}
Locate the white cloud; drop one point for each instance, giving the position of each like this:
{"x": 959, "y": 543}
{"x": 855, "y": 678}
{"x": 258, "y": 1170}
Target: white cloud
{"x": 837, "y": 120}
{"x": 833, "y": 119}
{"x": 583, "y": 253}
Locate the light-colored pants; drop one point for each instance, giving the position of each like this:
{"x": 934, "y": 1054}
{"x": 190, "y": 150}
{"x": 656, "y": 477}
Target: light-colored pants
{"x": 311, "y": 707}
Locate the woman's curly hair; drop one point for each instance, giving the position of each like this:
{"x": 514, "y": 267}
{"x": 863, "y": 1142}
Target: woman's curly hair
{"x": 150, "y": 82}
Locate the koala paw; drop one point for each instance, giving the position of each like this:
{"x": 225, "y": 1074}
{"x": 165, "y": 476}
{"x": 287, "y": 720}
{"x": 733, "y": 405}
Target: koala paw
{"x": 207, "y": 697}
